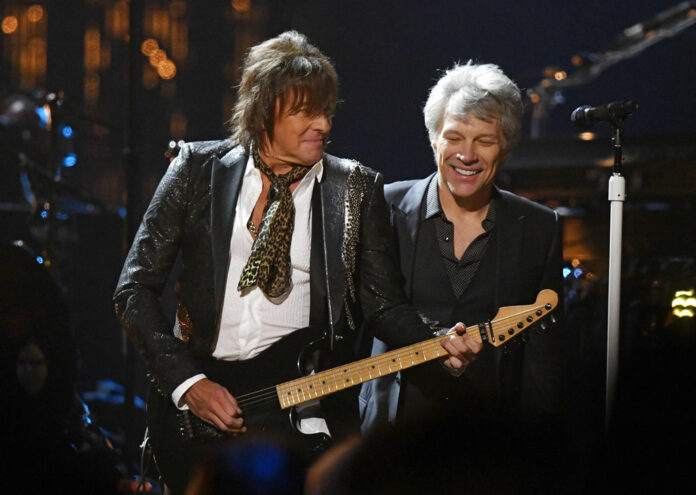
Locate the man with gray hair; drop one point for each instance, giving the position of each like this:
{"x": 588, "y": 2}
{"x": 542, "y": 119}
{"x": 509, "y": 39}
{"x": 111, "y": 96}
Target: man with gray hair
{"x": 467, "y": 248}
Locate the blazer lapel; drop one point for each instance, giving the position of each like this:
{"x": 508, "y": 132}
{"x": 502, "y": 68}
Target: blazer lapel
{"x": 226, "y": 180}
{"x": 511, "y": 235}
{"x": 333, "y": 191}
{"x": 406, "y": 220}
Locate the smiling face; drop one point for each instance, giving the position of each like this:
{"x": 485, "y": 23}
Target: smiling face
{"x": 469, "y": 153}
{"x": 299, "y": 138}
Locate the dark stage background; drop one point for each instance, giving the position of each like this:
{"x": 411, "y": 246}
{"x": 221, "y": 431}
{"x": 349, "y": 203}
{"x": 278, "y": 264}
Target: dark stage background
{"x": 387, "y": 54}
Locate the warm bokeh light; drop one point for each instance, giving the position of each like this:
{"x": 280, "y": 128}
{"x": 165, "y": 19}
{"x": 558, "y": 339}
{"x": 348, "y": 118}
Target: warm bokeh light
{"x": 149, "y": 47}
{"x": 166, "y": 69}
{"x": 92, "y": 48}
{"x": 35, "y": 13}
{"x": 587, "y": 136}
{"x": 157, "y": 57}
{"x": 9, "y": 24}
{"x": 560, "y": 75}
{"x": 241, "y": 5}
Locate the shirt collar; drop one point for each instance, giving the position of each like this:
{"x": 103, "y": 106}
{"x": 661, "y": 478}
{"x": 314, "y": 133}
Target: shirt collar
{"x": 433, "y": 206}
{"x": 316, "y": 172}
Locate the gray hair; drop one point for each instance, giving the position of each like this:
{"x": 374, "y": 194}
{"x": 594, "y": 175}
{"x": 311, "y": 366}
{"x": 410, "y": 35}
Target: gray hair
{"x": 482, "y": 90}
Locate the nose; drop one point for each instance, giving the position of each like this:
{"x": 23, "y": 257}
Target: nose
{"x": 467, "y": 154}
{"x": 322, "y": 123}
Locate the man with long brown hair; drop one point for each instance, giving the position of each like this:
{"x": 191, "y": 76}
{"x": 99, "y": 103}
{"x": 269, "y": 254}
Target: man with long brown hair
{"x": 275, "y": 236}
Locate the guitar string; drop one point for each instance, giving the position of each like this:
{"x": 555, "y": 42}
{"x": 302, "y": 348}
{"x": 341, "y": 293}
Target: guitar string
{"x": 269, "y": 394}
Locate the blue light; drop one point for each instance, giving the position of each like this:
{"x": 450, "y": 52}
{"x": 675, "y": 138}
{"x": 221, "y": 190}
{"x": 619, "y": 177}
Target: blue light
{"x": 39, "y": 260}
{"x": 44, "y": 116}
{"x": 62, "y": 216}
{"x": 69, "y": 160}
{"x": 566, "y": 272}
{"x": 44, "y": 214}
{"x": 66, "y": 131}
{"x": 122, "y": 212}
{"x": 577, "y": 272}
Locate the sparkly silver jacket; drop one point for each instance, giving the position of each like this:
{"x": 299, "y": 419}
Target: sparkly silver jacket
{"x": 354, "y": 274}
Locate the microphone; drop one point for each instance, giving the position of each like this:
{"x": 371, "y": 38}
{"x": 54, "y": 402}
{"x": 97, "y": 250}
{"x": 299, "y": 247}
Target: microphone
{"x": 586, "y": 116}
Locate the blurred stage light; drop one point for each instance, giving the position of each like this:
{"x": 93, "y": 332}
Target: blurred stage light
{"x": 684, "y": 304}
{"x": 66, "y": 131}
{"x": 9, "y": 24}
{"x": 69, "y": 160}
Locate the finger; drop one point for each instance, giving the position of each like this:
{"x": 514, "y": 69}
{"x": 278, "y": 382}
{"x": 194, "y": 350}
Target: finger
{"x": 233, "y": 405}
{"x": 460, "y": 328}
{"x": 452, "y": 363}
{"x": 455, "y": 347}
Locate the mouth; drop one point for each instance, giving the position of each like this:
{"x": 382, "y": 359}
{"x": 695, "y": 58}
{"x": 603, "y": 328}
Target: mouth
{"x": 465, "y": 172}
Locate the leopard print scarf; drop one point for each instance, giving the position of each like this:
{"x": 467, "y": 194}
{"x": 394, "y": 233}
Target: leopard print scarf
{"x": 268, "y": 265}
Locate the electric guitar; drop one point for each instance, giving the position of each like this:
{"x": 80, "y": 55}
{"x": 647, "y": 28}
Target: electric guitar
{"x": 268, "y": 399}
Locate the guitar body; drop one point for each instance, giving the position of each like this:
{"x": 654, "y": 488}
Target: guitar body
{"x": 179, "y": 439}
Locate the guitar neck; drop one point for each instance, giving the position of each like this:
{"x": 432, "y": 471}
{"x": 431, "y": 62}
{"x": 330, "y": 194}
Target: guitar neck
{"x": 333, "y": 380}
{"x": 509, "y": 322}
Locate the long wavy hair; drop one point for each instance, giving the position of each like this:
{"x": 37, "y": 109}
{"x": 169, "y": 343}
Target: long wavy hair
{"x": 285, "y": 70}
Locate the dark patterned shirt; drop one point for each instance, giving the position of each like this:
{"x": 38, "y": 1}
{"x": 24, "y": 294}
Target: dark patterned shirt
{"x": 460, "y": 271}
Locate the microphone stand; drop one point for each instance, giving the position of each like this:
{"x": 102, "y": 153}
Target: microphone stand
{"x": 617, "y": 195}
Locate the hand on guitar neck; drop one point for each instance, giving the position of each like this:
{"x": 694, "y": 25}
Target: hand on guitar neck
{"x": 214, "y": 404}
{"x": 461, "y": 347}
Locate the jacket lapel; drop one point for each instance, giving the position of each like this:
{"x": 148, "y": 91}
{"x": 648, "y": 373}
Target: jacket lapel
{"x": 226, "y": 180}
{"x": 510, "y": 239}
{"x": 333, "y": 192}
{"x": 406, "y": 219}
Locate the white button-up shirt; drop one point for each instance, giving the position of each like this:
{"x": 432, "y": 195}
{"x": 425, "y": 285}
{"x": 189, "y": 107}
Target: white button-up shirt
{"x": 251, "y": 321}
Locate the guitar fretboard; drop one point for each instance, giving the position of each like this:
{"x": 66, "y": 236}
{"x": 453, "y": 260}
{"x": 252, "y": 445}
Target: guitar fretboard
{"x": 318, "y": 385}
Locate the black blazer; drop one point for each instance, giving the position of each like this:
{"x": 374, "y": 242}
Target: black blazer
{"x": 529, "y": 259}
{"x": 192, "y": 213}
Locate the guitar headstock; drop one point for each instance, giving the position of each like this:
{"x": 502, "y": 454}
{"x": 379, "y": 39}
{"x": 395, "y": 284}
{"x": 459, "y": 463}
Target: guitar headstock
{"x": 512, "y": 320}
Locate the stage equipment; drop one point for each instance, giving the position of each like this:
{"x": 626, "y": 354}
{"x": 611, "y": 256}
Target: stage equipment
{"x": 614, "y": 114}
{"x": 548, "y": 93}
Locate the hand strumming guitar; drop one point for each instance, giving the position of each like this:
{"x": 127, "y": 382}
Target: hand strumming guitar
{"x": 214, "y": 404}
